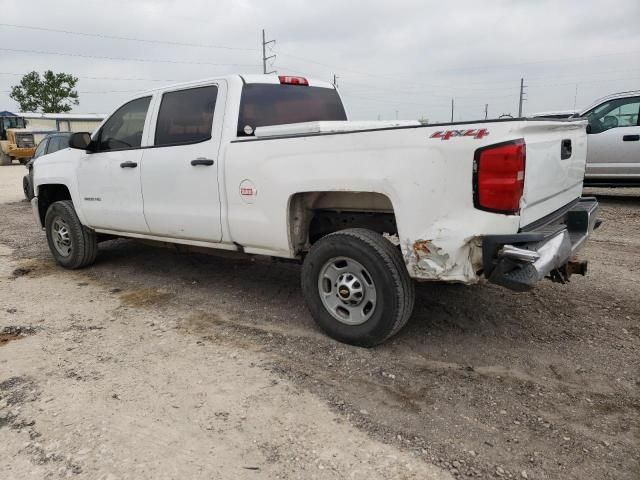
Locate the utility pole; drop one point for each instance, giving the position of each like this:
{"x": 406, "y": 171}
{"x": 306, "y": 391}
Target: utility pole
{"x": 522, "y": 99}
{"x": 486, "y": 111}
{"x": 335, "y": 81}
{"x": 264, "y": 53}
{"x": 575, "y": 97}
{"x": 452, "y": 110}
{"x": 396, "y": 114}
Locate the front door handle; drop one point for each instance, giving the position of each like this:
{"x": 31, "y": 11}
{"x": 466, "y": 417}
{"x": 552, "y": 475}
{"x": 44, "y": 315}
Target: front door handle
{"x": 128, "y": 165}
{"x": 202, "y": 161}
{"x": 631, "y": 138}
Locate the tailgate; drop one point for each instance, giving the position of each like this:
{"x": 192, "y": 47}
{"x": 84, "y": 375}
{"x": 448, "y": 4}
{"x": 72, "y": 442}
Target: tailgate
{"x": 555, "y": 162}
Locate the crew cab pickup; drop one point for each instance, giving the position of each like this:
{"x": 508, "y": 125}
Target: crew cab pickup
{"x": 270, "y": 165}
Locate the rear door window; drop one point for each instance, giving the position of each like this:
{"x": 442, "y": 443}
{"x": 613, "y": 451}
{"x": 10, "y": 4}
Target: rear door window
{"x": 186, "y": 116}
{"x": 264, "y": 104}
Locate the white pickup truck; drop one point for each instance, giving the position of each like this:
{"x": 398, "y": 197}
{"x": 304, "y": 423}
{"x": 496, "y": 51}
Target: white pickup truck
{"x": 270, "y": 165}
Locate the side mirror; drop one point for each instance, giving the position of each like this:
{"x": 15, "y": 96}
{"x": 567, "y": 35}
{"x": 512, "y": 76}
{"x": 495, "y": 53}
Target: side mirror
{"x": 80, "y": 140}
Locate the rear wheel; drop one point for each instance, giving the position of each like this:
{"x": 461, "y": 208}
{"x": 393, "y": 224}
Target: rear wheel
{"x": 357, "y": 287}
{"x": 72, "y": 244}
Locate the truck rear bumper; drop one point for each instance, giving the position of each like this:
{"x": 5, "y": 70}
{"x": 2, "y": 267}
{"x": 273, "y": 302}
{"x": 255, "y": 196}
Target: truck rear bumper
{"x": 548, "y": 250}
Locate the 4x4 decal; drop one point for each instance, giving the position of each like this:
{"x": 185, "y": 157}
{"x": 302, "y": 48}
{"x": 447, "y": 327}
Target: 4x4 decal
{"x": 474, "y": 132}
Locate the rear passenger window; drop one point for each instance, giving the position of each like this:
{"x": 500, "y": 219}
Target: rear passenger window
{"x": 186, "y": 116}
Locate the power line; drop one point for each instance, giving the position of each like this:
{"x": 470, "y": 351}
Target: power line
{"x": 457, "y": 69}
{"x": 131, "y": 39}
{"x": 303, "y": 59}
{"x": 108, "y": 78}
{"x": 145, "y": 60}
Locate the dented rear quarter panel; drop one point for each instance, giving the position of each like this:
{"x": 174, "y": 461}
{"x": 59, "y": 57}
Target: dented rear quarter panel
{"x": 429, "y": 182}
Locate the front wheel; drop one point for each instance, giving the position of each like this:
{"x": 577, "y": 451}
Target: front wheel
{"x": 71, "y": 243}
{"x": 357, "y": 287}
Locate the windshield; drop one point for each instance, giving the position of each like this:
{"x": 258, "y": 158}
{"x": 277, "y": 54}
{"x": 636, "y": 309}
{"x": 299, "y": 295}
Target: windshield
{"x": 264, "y": 104}
{"x": 13, "y": 122}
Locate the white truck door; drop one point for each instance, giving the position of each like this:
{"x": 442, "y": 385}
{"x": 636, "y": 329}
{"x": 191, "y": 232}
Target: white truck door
{"x": 614, "y": 141}
{"x": 180, "y": 172}
{"x": 109, "y": 178}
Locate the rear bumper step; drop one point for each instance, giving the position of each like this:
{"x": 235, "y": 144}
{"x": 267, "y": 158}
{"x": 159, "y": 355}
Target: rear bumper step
{"x": 521, "y": 260}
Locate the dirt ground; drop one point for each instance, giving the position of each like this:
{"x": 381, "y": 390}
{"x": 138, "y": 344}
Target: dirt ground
{"x": 157, "y": 364}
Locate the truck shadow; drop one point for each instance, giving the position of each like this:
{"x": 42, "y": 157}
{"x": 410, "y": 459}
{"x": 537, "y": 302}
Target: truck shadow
{"x": 261, "y": 290}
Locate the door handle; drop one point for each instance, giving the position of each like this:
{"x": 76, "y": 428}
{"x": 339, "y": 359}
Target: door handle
{"x": 631, "y": 138}
{"x": 128, "y": 165}
{"x": 202, "y": 161}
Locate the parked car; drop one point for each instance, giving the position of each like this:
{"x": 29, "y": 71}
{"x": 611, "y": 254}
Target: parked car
{"x": 613, "y": 155}
{"x": 49, "y": 144}
{"x": 270, "y": 165}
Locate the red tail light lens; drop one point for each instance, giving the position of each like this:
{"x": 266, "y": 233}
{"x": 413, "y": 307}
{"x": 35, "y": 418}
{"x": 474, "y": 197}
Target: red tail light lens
{"x": 499, "y": 177}
{"x": 288, "y": 80}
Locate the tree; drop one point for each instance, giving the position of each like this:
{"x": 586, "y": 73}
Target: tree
{"x": 51, "y": 93}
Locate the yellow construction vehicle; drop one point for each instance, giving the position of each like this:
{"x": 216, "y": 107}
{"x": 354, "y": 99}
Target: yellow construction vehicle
{"x": 16, "y": 142}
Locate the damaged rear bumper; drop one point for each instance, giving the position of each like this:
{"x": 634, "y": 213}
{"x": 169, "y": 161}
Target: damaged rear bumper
{"x": 546, "y": 249}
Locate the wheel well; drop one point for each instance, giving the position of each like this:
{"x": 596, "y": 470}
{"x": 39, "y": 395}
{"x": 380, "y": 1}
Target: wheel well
{"x": 48, "y": 194}
{"x": 312, "y": 215}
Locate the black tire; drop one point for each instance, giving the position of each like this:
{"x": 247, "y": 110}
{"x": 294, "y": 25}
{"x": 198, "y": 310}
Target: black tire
{"x": 81, "y": 242}
{"x": 394, "y": 289}
{"x": 27, "y": 188}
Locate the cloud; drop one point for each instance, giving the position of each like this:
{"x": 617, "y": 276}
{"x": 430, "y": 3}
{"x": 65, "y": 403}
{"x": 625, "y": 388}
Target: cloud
{"x": 406, "y": 56}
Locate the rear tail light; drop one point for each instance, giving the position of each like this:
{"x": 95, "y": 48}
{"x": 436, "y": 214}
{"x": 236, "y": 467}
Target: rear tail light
{"x": 288, "y": 80}
{"x": 499, "y": 177}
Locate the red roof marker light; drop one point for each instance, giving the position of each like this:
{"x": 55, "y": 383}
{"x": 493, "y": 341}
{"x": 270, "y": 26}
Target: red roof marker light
{"x": 288, "y": 80}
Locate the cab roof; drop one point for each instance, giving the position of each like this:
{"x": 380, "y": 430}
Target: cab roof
{"x": 246, "y": 79}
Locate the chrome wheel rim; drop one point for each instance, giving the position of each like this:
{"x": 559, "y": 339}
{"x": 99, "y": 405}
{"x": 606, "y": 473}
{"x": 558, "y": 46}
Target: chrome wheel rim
{"x": 347, "y": 290}
{"x": 61, "y": 236}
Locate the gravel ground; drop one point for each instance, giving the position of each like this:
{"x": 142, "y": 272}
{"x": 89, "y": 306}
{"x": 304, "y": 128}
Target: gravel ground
{"x": 160, "y": 364}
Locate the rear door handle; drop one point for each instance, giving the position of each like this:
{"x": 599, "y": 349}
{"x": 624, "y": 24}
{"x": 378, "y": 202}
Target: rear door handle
{"x": 128, "y": 165}
{"x": 202, "y": 161}
{"x": 631, "y": 138}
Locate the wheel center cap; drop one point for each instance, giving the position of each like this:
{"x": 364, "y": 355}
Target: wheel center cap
{"x": 344, "y": 292}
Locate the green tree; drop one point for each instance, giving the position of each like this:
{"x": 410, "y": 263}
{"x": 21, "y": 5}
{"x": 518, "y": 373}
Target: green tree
{"x": 51, "y": 93}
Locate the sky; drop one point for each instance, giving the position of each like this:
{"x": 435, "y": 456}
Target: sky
{"x": 393, "y": 59}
